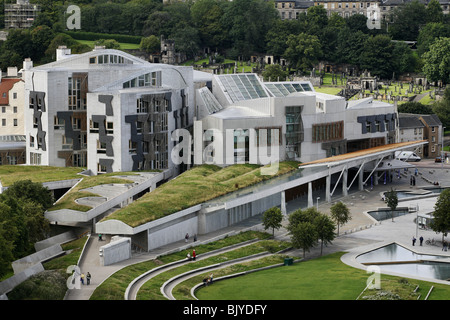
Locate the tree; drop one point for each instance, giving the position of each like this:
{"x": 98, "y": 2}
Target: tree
{"x": 429, "y": 33}
{"x": 108, "y": 43}
{"x": 324, "y": 226}
{"x": 442, "y": 108}
{"x": 377, "y": 56}
{"x": 340, "y": 214}
{"x": 150, "y": 44}
{"x": 206, "y": 17}
{"x": 274, "y": 72}
{"x": 441, "y": 214}
{"x": 408, "y": 20}
{"x": 304, "y": 236}
{"x": 414, "y": 107}
{"x": 272, "y": 219}
{"x": 437, "y": 61}
{"x": 434, "y": 12}
{"x": 302, "y": 51}
{"x": 33, "y": 191}
{"x": 392, "y": 201}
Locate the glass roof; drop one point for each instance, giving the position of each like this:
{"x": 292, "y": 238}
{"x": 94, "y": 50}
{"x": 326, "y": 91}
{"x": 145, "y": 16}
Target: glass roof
{"x": 242, "y": 86}
{"x": 282, "y": 89}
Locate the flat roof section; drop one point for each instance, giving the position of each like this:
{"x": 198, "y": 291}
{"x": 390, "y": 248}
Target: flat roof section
{"x": 366, "y": 152}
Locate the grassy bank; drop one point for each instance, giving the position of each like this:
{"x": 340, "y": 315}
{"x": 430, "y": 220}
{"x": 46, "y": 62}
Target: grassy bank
{"x": 325, "y": 278}
{"x": 195, "y": 186}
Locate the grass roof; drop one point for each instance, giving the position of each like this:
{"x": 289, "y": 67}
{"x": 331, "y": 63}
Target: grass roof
{"x": 12, "y": 173}
{"x": 195, "y": 186}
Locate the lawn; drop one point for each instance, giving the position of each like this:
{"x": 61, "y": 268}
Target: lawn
{"x": 123, "y": 46}
{"x": 12, "y": 173}
{"x": 195, "y": 186}
{"x": 325, "y": 278}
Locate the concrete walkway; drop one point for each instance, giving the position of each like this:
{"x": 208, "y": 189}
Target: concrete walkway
{"x": 360, "y": 234}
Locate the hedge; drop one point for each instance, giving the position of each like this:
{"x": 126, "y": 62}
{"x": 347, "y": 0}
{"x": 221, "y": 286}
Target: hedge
{"x": 92, "y": 36}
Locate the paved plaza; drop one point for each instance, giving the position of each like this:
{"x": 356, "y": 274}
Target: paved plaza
{"x": 360, "y": 234}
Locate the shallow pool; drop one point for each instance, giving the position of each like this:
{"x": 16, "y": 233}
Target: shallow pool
{"x": 432, "y": 268}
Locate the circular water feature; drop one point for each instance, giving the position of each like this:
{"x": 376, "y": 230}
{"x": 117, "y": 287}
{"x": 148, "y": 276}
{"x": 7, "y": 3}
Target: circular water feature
{"x": 395, "y": 258}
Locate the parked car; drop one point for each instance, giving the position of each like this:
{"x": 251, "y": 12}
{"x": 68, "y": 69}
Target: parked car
{"x": 438, "y": 159}
{"x": 407, "y": 156}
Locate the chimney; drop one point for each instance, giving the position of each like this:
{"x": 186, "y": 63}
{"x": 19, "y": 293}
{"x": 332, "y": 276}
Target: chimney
{"x": 27, "y": 64}
{"x": 62, "y": 53}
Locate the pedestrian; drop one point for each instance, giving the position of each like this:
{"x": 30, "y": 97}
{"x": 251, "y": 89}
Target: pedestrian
{"x": 186, "y": 237}
{"x": 413, "y": 240}
{"x": 411, "y": 181}
{"x": 88, "y": 278}
{"x": 444, "y": 246}
{"x": 100, "y": 237}
{"x": 82, "y": 278}
{"x": 416, "y": 172}
{"x": 195, "y": 237}
{"x": 421, "y": 240}
{"x": 193, "y": 255}
{"x": 188, "y": 256}
{"x": 211, "y": 278}
{"x": 414, "y": 181}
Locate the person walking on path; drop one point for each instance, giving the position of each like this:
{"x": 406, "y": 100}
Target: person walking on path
{"x": 193, "y": 255}
{"x": 82, "y": 278}
{"x": 186, "y": 237}
{"x": 421, "y": 240}
{"x": 444, "y": 246}
{"x": 88, "y": 278}
{"x": 413, "y": 240}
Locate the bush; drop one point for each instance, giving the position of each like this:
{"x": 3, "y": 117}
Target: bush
{"x": 92, "y": 36}
{"x": 47, "y": 285}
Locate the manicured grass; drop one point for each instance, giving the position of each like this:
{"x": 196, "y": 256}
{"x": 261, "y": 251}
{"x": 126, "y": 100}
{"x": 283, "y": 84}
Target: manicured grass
{"x": 325, "y": 278}
{"x": 193, "y": 187}
{"x": 328, "y": 90}
{"x": 68, "y": 201}
{"x": 114, "y": 287}
{"x": 12, "y": 173}
{"x": 123, "y": 46}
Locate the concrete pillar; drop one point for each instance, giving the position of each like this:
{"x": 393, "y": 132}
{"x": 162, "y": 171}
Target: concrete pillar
{"x": 310, "y": 197}
{"x": 375, "y": 178}
{"x": 361, "y": 178}
{"x": 283, "y": 203}
{"x": 344, "y": 183}
{"x": 328, "y": 189}
{"x": 201, "y": 221}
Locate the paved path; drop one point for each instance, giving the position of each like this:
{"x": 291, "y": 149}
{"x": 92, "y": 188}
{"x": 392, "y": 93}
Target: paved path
{"x": 361, "y": 233}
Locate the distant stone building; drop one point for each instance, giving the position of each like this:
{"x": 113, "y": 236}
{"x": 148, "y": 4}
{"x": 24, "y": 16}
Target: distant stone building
{"x": 20, "y": 15}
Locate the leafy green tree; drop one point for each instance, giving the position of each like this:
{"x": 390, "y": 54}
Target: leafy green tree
{"x": 442, "y": 108}
{"x": 206, "y": 17}
{"x": 277, "y": 35}
{"x": 247, "y": 22}
{"x": 350, "y": 46}
{"x": 391, "y": 200}
{"x": 340, "y": 214}
{"x": 187, "y": 40}
{"x": 150, "y": 44}
{"x": 324, "y": 226}
{"x": 437, "y": 61}
{"x": 316, "y": 19}
{"x": 377, "y": 56}
{"x": 108, "y": 43}
{"x": 274, "y": 72}
{"x": 434, "y": 12}
{"x": 302, "y": 51}
{"x": 304, "y": 236}
{"x": 357, "y": 22}
{"x": 414, "y": 107}
{"x": 429, "y": 33}
{"x": 441, "y": 214}
{"x": 408, "y": 19}
{"x": 33, "y": 191}
{"x": 272, "y": 218}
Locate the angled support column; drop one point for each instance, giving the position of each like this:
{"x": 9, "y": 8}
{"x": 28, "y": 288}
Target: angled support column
{"x": 361, "y": 178}
{"x": 310, "y": 197}
{"x": 283, "y": 203}
{"x": 327, "y": 188}
{"x": 344, "y": 183}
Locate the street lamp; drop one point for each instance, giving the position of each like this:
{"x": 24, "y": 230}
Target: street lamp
{"x": 317, "y": 203}
{"x": 442, "y": 153}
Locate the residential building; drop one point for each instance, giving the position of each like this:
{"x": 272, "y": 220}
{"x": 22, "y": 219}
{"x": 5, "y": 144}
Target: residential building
{"x": 21, "y": 14}
{"x": 411, "y": 129}
{"x": 414, "y": 127}
{"x": 105, "y": 110}
{"x": 12, "y": 126}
